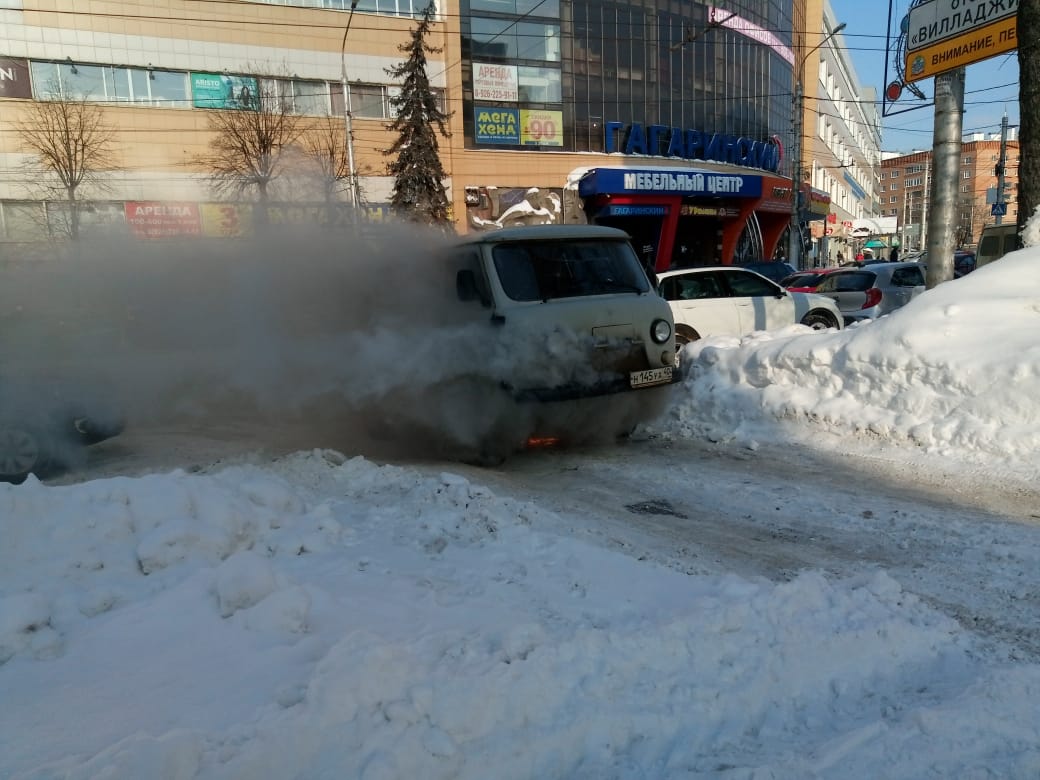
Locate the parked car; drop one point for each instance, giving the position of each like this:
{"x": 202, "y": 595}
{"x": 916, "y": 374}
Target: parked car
{"x": 45, "y": 443}
{"x": 774, "y": 270}
{"x": 874, "y": 290}
{"x": 727, "y": 300}
{"x": 805, "y": 281}
{"x": 995, "y": 242}
{"x": 963, "y": 263}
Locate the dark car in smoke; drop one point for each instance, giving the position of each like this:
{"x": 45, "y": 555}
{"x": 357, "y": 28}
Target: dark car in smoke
{"x": 48, "y": 442}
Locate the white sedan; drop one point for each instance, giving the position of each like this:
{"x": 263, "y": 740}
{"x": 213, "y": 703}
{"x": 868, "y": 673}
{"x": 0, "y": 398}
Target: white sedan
{"x": 730, "y": 301}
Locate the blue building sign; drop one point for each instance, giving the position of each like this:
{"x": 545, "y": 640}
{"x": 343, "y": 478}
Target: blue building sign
{"x": 660, "y": 181}
{"x": 496, "y": 125}
{"x": 664, "y": 141}
{"x": 854, "y": 186}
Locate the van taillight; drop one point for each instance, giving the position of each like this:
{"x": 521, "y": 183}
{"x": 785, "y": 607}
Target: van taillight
{"x": 873, "y": 298}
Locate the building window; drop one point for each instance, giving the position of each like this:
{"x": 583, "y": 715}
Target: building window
{"x": 389, "y": 7}
{"x": 110, "y": 84}
{"x": 893, "y": 173}
{"x": 511, "y": 40}
{"x": 967, "y": 160}
{"x": 892, "y": 199}
{"x": 914, "y": 182}
{"x": 966, "y": 174}
{"x": 372, "y": 101}
{"x": 539, "y": 85}
{"x": 310, "y": 98}
{"x": 550, "y": 8}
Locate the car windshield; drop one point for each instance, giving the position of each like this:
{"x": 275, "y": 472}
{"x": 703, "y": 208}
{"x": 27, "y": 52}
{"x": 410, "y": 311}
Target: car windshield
{"x": 848, "y": 282}
{"x": 801, "y": 280}
{"x": 543, "y": 270}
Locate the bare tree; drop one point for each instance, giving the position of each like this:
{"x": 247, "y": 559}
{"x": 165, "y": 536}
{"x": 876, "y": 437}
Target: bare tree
{"x": 325, "y": 147}
{"x": 71, "y": 141}
{"x": 251, "y": 144}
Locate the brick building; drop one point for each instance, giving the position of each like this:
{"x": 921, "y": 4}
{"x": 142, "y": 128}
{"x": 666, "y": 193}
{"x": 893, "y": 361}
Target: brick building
{"x": 906, "y": 182}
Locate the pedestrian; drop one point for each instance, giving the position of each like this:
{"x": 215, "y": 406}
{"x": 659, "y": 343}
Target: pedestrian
{"x": 841, "y": 259}
{"x": 893, "y": 256}
{"x": 859, "y": 257}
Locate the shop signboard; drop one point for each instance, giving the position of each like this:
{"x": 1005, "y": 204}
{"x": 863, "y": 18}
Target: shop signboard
{"x": 223, "y": 91}
{"x": 946, "y": 34}
{"x": 162, "y": 219}
{"x": 541, "y": 128}
{"x": 677, "y": 181}
{"x": 689, "y": 144}
{"x": 495, "y": 82}
{"x": 226, "y": 220}
{"x": 496, "y": 125}
{"x": 14, "y": 78}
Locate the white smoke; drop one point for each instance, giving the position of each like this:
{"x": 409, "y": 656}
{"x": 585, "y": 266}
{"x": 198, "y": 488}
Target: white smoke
{"x": 359, "y": 337}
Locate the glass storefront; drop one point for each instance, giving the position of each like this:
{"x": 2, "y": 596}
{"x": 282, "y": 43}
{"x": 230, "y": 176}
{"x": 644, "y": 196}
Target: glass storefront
{"x": 587, "y": 63}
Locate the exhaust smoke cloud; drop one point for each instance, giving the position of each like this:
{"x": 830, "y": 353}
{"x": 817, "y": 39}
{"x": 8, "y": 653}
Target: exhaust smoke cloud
{"x": 355, "y": 341}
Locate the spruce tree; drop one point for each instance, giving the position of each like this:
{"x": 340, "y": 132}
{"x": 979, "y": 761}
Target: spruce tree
{"x": 419, "y": 193}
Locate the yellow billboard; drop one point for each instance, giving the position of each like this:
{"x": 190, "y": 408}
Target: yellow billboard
{"x": 226, "y": 220}
{"x": 541, "y": 128}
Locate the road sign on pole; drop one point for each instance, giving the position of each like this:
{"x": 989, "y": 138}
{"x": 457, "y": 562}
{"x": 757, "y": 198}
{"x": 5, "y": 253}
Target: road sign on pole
{"x": 999, "y": 209}
{"x": 943, "y": 35}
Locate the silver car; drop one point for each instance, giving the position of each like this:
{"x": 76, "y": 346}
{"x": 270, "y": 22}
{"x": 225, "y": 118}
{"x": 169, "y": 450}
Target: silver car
{"x": 874, "y": 290}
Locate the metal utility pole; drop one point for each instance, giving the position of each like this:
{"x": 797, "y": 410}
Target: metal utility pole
{"x": 1001, "y": 167}
{"x": 906, "y": 216}
{"x": 926, "y": 195}
{"x": 946, "y": 156}
{"x": 794, "y": 245}
{"x": 355, "y": 195}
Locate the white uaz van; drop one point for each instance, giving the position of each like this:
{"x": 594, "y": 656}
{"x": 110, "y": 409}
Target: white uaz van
{"x": 571, "y": 323}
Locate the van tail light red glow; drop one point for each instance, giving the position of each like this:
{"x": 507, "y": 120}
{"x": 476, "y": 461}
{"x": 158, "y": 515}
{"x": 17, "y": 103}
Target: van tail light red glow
{"x": 873, "y": 298}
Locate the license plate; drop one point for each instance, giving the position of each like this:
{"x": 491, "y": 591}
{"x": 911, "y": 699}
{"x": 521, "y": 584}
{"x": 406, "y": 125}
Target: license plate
{"x": 652, "y": 376}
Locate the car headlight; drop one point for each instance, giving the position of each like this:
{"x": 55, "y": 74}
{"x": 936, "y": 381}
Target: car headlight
{"x": 660, "y": 331}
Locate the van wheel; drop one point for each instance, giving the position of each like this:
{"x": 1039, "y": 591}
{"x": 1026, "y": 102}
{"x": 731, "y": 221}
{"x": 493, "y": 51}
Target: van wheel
{"x": 819, "y": 320}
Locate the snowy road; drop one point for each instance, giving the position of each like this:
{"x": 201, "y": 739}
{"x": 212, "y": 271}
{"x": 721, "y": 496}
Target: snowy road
{"x": 966, "y": 544}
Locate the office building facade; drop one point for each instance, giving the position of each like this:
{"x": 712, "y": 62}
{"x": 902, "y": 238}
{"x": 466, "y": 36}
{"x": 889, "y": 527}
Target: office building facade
{"x": 668, "y": 119}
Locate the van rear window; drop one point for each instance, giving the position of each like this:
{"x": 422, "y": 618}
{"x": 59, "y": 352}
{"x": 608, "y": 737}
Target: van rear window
{"x": 543, "y": 270}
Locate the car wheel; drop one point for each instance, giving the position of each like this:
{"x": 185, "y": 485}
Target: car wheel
{"x": 20, "y": 454}
{"x": 683, "y": 336}
{"x": 819, "y": 320}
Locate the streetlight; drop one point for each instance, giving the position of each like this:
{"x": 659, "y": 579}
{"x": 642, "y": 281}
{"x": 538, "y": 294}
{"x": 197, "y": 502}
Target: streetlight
{"x": 355, "y": 195}
{"x": 794, "y": 244}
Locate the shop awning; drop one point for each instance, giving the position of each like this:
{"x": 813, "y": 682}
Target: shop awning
{"x": 875, "y": 243}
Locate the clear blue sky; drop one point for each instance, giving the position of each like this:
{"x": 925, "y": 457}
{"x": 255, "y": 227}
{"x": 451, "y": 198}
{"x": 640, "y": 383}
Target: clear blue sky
{"x": 991, "y": 87}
